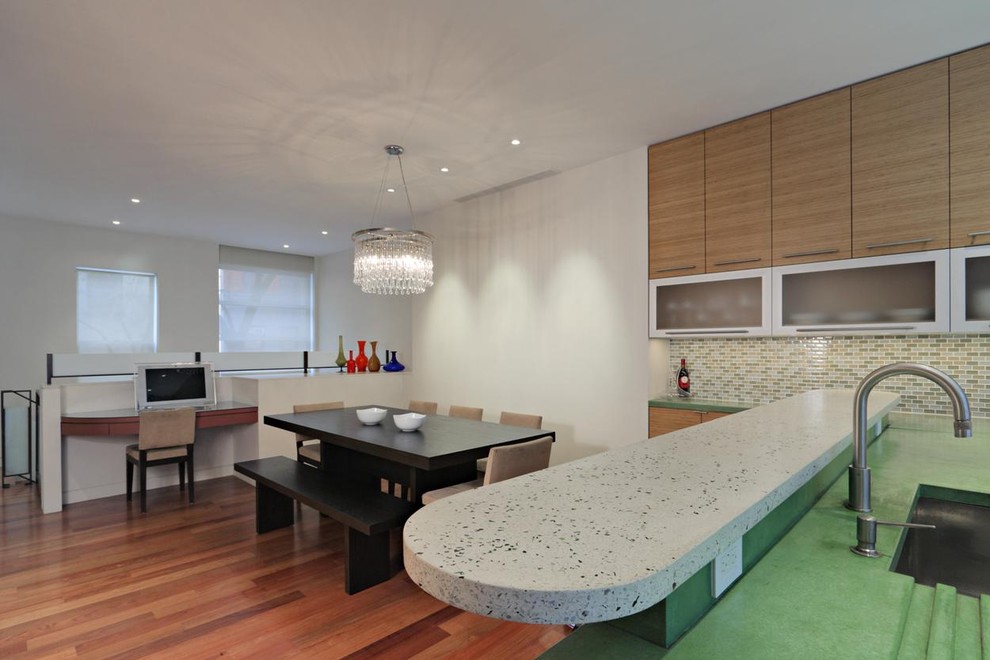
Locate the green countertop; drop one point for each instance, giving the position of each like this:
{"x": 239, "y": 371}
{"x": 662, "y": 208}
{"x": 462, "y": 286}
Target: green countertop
{"x": 705, "y": 405}
{"x": 811, "y": 597}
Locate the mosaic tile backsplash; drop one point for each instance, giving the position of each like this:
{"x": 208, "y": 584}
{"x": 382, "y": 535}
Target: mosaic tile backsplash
{"x": 765, "y": 369}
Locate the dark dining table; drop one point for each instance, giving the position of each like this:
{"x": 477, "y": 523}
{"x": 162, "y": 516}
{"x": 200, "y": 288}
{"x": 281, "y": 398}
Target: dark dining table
{"x": 442, "y": 452}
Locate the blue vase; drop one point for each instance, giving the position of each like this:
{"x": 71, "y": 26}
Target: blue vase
{"x": 393, "y": 363}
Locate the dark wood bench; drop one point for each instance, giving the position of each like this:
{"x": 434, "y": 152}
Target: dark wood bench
{"x": 368, "y": 515}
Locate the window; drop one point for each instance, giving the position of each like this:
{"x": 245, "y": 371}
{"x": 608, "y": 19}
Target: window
{"x": 266, "y": 301}
{"x": 116, "y": 311}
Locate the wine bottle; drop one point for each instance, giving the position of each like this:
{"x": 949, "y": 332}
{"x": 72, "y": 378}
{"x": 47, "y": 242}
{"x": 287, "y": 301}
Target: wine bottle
{"x": 683, "y": 380}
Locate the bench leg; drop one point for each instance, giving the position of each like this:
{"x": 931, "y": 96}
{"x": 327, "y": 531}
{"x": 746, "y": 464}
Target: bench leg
{"x": 366, "y": 560}
{"x": 272, "y": 510}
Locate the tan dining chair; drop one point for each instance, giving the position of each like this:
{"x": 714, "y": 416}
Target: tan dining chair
{"x": 513, "y": 419}
{"x": 308, "y": 449}
{"x": 164, "y": 437}
{"x": 466, "y": 412}
{"x": 423, "y": 407}
{"x": 393, "y": 487}
{"x": 504, "y": 463}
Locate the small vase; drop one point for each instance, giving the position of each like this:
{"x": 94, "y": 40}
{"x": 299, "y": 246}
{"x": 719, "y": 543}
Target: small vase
{"x": 362, "y": 359}
{"x": 374, "y": 364}
{"x": 351, "y": 364}
{"x": 394, "y": 364}
{"x": 341, "y": 360}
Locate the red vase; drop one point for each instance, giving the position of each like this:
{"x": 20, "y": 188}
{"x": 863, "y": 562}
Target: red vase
{"x": 351, "y": 364}
{"x": 362, "y": 359}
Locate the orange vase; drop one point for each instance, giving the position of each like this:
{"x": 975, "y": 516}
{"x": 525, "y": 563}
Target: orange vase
{"x": 374, "y": 364}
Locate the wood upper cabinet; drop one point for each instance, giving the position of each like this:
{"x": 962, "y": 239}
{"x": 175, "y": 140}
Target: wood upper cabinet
{"x": 737, "y": 194}
{"x": 969, "y": 126}
{"x": 812, "y": 219}
{"x": 677, "y": 206}
{"x": 900, "y": 161}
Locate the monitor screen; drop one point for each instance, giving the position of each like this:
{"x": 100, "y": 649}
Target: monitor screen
{"x": 174, "y": 385}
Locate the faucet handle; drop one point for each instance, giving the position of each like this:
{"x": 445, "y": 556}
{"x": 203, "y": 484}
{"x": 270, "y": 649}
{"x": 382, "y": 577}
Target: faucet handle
{"x": 866, "y": 533}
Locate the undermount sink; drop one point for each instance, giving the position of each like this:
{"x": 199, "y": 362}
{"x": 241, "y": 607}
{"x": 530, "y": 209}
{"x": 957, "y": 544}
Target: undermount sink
{"x": 957, "y": 551}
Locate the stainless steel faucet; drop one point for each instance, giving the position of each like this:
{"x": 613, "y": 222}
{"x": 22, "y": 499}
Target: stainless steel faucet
{"x": 859, "y": 474}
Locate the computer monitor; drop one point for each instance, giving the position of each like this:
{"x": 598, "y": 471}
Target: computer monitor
{"x": 174, "y": 385}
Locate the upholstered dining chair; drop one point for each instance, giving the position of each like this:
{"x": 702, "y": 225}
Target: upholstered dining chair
{"x": 308, "y": 449}
{"x": 423, "y": 407}
{"x": 164, "y": 437}
{"x": 513, "y": 419}
{"x": 504, "y": 462}
{"x": 399, "y": 489}
{"x": 466, "y": 412}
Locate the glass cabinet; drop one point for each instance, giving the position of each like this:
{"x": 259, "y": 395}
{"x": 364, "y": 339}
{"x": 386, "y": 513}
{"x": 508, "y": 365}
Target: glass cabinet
{"x": 715, "y": 305}
{"x": 971, "y": 289}
{"x": 893, "y": 294}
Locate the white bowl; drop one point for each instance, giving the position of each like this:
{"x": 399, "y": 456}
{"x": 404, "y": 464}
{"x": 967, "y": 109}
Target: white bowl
{"x": 371, "y": 416}
{"x": 409, "y": 421}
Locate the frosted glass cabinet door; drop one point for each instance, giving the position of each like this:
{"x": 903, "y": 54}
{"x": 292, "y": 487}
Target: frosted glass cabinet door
{"x": 894, "y": 294}
{"x": 971, "y": 289}
{"x": 716, "y": 305}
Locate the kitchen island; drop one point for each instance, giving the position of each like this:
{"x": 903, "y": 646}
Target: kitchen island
{"x": 613, "y": 534}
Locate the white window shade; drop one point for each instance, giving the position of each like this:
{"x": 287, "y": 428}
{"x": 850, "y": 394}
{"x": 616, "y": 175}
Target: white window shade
{"x": 116, "y": 311}
{"x": 266, "y": 301}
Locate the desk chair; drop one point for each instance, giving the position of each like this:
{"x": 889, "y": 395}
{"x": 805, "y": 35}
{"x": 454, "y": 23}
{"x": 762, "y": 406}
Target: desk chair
{"x": 308, "y": 449}
{"x": 464, "y": 412}
{"x": 164, "y": 436}
{"x": 423, "y": 407}
{"x": 513, "y": 419}
{"x": 504, "y": 462}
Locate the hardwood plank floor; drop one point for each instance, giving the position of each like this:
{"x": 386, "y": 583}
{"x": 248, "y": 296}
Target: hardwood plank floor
{"x": 186, "y": 580}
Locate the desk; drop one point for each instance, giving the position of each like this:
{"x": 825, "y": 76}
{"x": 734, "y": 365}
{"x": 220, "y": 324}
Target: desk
{"x": 441, "y": 453}
{"x": 125, "y": 421}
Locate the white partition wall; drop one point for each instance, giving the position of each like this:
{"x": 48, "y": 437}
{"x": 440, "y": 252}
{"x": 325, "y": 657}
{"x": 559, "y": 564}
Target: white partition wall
{"x": 79, "y": 468}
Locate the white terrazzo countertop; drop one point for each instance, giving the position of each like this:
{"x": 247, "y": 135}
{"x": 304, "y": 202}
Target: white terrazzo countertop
{"x": 612, "y": 534}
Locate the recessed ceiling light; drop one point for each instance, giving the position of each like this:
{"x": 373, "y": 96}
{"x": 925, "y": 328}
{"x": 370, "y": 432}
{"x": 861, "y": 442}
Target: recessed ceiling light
{"x": 444, "y": 169}
{"x": 515, "y": 142}
{"x": 324, "y": 232}
{"x": 135, "y": 200}
{"x": 390, "y": 190}
{"x": 286, "y": 245}
{"x": 116, "y": 222}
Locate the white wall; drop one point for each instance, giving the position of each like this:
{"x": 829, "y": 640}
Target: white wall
{"x": 344, "y": 310}
{"x": 540, "y": 305}
{"x": 38, "y": 289}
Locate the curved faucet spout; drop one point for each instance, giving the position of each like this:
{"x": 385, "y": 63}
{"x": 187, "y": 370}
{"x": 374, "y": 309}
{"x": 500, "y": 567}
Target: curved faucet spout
{"x": 859, "y": 473}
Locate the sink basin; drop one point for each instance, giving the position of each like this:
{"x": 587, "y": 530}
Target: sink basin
{"x": 957, "y": 551}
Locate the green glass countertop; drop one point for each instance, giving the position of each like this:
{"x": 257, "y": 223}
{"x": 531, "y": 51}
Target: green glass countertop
{"x": 704, "y": 405}
{"x": 810, "y": 597}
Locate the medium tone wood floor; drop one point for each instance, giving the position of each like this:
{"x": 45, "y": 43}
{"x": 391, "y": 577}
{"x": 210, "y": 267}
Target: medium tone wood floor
{"x": 195, "y": 581}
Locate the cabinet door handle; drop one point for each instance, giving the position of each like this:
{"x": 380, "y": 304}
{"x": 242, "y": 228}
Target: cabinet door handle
{"x": 673, "y": 268}
{"x": 812, "y": 253}
{"x": 848, "y": 328}
{"x": 732, "y": 262}
{"x": 874, "y": 246}
{"x": 974, "y": 234}
{"x": 707, "y": 332}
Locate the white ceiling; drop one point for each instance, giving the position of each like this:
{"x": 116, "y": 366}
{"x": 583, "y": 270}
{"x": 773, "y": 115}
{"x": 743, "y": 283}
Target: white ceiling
{"x": 262, "y": 122}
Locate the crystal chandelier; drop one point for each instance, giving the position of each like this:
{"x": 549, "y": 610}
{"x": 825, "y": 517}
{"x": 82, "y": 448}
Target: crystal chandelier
{"x": 393, "y": 261}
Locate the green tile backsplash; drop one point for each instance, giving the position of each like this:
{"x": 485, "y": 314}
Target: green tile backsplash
{"x": 764, "y": 369}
